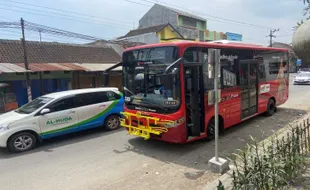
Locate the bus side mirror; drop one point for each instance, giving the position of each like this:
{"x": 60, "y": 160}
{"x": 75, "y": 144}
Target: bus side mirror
{"x": 213, "y": 60}
{"x": 105, "y": 79}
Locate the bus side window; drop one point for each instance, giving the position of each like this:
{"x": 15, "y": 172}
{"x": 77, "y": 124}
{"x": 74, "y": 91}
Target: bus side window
{"x": 191, "y": 55}
{"x": 228, "y": 73}
{"x": 262, "y": 72}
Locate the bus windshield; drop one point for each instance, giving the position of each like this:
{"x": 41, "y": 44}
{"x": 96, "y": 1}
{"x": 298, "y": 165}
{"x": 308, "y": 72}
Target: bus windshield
{"x": 146, "y": 88}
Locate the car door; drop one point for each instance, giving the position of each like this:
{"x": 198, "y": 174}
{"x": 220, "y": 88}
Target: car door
{"x": 92, "y": 108}
{"x": 61, "y": 119}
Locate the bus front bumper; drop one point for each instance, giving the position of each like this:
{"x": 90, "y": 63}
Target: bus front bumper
{"x": 144, "y": 126}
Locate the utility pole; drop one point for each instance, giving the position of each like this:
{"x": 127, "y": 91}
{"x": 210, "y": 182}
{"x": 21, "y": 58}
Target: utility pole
{"x": 272, "y": 36}
{"x": 40, "y": 35}
{"x": 26, "y": 60}
{"x": 216, "y": 164}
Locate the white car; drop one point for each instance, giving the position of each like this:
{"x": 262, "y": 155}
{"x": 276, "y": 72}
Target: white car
{"x": 302, "y": 78}
{"x": 58, "y": 114}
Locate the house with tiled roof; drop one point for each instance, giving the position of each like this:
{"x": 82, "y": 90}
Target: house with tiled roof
{"x": 52, "y": 67}
{"x": 152, "y": 34}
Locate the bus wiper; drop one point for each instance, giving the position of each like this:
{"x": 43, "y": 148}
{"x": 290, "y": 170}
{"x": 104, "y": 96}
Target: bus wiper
{"x": 128, "y": 90}
{"x": 156, "y": 105}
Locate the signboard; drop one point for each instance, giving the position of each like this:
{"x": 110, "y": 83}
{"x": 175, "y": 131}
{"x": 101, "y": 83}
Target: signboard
{"x": 298, "y": 62}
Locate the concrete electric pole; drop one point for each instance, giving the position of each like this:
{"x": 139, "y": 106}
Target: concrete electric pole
{"x": 272, "y": 36}
{"x": 26, "y": 60}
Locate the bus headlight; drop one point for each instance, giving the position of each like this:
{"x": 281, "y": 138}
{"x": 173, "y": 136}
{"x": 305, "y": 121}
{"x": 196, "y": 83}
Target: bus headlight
{"x": 174, "y": 123}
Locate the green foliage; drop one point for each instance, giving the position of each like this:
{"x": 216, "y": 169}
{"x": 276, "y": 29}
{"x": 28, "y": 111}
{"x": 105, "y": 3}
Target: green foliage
{"x": 272, "y": 166}
{"x": 302, "y": 50}
{"x": 220, "y": 186}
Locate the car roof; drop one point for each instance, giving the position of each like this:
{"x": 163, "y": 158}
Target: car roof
{"x": 79, "y": 91}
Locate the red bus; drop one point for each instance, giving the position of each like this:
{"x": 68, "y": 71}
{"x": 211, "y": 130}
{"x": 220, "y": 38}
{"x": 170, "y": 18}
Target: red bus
{"x": 168, "y": 92}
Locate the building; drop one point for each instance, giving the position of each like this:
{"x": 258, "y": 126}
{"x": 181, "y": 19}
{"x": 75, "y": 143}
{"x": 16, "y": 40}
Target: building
{"x": 118, "y": 45}
{"x": 152, "y": 34}
{"x": 190, "y": 26}
{"x": 52, "y": 67}
{"x": 233, "y": 36}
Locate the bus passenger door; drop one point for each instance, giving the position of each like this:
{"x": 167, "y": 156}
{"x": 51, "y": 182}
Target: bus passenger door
{"x": 194, "y": 100}
{"x": 249, "y": 88}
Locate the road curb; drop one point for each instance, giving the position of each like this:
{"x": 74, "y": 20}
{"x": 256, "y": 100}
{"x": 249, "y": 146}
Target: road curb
{"x": 226, "y": 178}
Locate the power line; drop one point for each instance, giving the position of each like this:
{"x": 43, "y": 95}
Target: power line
{"x": 50, "y": 30}
{"x": 211, "y": 17}
{"x": 63, "y": 17}
{"x": 71, "y": 12}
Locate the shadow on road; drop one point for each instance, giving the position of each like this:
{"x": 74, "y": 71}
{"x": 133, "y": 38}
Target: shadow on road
{"x": 50, "y": 144}
{"x": 196, "y": 155}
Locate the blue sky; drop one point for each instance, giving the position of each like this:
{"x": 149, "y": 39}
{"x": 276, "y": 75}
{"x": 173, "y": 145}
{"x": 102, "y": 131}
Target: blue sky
{"x": 112, "y": 18}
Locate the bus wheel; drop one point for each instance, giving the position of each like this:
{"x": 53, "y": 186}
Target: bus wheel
{"x": 271, "y": 108}
{"x": 211, "y": 130}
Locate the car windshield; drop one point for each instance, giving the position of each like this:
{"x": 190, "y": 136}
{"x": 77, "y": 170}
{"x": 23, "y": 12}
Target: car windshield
{"x": 33, "y": 105}
{"x": 306, "y": 74}
{"x": 146, "y": 87}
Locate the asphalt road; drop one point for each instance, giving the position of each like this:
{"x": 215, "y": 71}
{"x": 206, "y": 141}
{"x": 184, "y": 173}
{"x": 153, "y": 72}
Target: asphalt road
{"x": 99, "y": 160}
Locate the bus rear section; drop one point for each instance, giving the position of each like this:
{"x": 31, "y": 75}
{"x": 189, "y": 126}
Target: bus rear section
{"x": 169, "y": 94}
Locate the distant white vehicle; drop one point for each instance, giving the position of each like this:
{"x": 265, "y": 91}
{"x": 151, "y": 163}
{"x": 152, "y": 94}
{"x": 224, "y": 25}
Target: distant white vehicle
{"x": 303, "y": 77}
{"x": 58, "y": 114}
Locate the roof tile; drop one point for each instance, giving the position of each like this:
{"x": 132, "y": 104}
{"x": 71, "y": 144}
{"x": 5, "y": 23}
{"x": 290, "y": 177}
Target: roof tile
{"x": 11, "y": 51}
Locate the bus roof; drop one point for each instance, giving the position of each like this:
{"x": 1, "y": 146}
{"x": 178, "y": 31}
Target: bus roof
{"x": 211, "y": 44}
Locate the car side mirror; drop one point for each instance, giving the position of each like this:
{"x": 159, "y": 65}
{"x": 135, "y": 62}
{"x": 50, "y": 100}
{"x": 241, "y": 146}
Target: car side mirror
{"x": 45, "y": 111}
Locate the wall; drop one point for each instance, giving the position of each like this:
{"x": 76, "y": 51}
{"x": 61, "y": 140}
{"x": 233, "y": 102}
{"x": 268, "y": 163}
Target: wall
{"x": 167, "y": 33}
{"x": 158, "y": 15}
{"x": 150, "y": 38}
{"x": 33, "y": 76}
{"x": 200, "y": 25}
{"x": 188, "y": 33}
{"x": 213, "y": 35}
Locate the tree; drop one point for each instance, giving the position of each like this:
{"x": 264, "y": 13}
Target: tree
{"x": 302, "y": 47}
{"x": 306, "y": 11}
{"x": 300, "y": 23}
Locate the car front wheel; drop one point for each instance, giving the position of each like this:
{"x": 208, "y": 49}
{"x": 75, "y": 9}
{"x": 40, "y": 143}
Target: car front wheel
{"x": 21, "y": 142}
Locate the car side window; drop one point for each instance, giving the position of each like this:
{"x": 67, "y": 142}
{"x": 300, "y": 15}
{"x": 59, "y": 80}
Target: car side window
{"x": 111, "y": 96}
{"x": 63, "y": 104}
{"x": 96, "y": 98}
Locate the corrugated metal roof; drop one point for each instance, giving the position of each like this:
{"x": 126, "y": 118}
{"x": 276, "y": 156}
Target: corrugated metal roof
{"x": 73, "y": 67}
{"x": 11, "y": 68}
{"x": 41, "y": 67}
{"x": 97, "y": 67}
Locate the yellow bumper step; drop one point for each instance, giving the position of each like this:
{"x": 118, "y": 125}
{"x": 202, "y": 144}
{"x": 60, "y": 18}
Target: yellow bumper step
{"x": 143, "y": 131}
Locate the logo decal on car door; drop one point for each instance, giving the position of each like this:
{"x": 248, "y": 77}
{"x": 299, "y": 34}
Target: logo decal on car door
{"x": 58, "y": 121}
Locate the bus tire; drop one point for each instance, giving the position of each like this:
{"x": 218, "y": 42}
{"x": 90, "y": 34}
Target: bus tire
{"x": 271, "y": 107}
{"x": 211, "y": 128}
